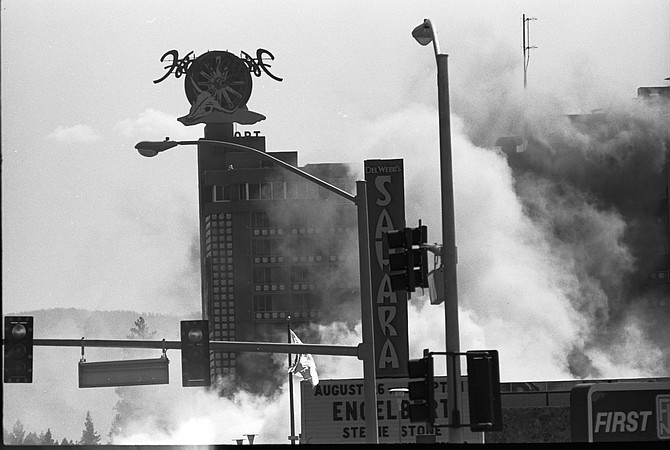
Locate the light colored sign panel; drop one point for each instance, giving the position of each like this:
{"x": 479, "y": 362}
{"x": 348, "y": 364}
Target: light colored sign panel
{"x": 333, "y": 412}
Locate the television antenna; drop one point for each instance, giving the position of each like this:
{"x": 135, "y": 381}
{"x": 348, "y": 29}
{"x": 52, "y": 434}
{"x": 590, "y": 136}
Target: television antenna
{"x": 526, "y": 47}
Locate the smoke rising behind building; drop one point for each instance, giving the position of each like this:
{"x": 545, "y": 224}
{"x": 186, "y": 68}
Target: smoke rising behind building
{"x": 120, "y": 227}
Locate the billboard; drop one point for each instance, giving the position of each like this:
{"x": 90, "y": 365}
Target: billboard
{"x": 333, "y": 413}
{"x": 620, "y": 412}
{"x": 386, "y": 212}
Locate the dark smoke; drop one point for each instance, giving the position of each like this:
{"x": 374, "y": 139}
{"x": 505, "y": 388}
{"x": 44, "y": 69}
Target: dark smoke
{"x": 595, "y": 183}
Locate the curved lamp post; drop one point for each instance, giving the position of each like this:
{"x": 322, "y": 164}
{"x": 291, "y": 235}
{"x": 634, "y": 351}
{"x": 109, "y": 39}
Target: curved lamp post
{"x": 153, "y": 148}
{"x": 424, "y": 34}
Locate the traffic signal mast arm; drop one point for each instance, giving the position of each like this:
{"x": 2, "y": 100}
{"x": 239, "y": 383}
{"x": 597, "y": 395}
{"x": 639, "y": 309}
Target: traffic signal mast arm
{"x": 222, "y": 346}
{"x": 433, "y": 248}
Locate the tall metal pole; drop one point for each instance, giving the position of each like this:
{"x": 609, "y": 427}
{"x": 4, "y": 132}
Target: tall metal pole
{"x": 449, "y": 255}
{"x": 424, "y": 34}
{"x": 368, "y": 346}
{"x": 290, "y": 383}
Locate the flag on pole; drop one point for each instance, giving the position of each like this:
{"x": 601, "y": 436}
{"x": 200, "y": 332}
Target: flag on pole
{"x": 303, "y": 364}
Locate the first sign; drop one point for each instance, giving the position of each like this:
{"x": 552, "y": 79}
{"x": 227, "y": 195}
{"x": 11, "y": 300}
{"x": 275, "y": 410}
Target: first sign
{"x": 616, "y": 412}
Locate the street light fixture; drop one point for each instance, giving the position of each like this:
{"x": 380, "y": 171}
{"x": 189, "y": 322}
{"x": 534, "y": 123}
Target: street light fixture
{"x": 424, "y": 34}
{"x": 152, "y": 148}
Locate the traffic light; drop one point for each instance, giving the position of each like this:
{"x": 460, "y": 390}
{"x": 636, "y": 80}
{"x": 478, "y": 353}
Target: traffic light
{"x": 421, "y": 390}
{"x": 484, "y": 390}
{"x": 408, "y": 259}
{"x": 195, "y": 353}
{"x": 18, "y": 349}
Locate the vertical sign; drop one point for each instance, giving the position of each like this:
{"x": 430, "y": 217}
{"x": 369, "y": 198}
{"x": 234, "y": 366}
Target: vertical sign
{"x": 386, "y": 212}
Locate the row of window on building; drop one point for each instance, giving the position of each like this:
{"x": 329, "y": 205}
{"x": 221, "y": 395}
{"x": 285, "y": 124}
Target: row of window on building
{"x": 300, "y": 224}
{"x": 299, "y": 259}
{"x": 277, "y": 190}
{"x": 300, "y": 231}
{"x": 275, "y": 307}
{"x": 276, "y": 315}
{"x": 280, "y": 275}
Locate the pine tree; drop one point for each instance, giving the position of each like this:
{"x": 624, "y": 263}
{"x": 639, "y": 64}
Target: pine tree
{"x": 88, "y": 435}
{"x": 141, "y": 330}
{"x": 18, "y": 434}
{"x": 130, "y": 405}
{"x": 47, "y": 439}
{"x": 31, "y": 439}
{"x": 65, "y": 442}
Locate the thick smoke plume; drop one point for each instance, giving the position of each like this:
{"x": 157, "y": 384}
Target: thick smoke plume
{"x": 593, "y": 184}
{"x": 589, "y": 186}
{"x": 551, "y": 246}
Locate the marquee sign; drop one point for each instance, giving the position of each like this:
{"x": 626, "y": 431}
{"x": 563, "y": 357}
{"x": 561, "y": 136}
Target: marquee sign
{"x": 386, "y": 212}
{"x": 218, "y": 84}
{"x": 333, "y": 412}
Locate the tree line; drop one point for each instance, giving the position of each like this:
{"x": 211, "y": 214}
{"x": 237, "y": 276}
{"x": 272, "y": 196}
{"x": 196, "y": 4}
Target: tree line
{"x": 18, "y": 435}
{"x": 128, "y": 408}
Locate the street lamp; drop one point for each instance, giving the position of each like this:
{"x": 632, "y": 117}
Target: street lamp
{"x": 152, "y": 148}
{"x": 424, "y": 34}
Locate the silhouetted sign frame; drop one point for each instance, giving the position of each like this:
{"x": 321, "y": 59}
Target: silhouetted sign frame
{"x": 131, "y": 372}
{"x": 619, "y": 412}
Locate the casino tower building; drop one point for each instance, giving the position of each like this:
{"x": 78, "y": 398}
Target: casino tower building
{"x": 273, "y": 245}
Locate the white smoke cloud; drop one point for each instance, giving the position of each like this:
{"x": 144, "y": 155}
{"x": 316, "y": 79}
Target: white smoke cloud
{"x": 80, "y": 133}
{"x": 536, "y": 299}
{"x": 193, "y": 416}
{"x": 152, "y": 124}
{"x": 630, "y": 353}
{"x": 520, "y": 291}
{"x": 511, "y": 288}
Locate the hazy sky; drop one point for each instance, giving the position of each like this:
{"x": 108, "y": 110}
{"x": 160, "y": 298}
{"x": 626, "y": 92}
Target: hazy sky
{"x": 89, "y": 223}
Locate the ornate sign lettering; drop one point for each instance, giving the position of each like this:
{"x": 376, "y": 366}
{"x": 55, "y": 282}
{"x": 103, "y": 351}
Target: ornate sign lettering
{"x": 181, "y": 66}
{"x": 178, "y": 66}
{"x": 258, "y": 64}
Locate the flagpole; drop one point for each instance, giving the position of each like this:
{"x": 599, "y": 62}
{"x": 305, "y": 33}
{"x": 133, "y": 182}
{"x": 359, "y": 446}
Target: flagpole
{"x": 290, "y": 383}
